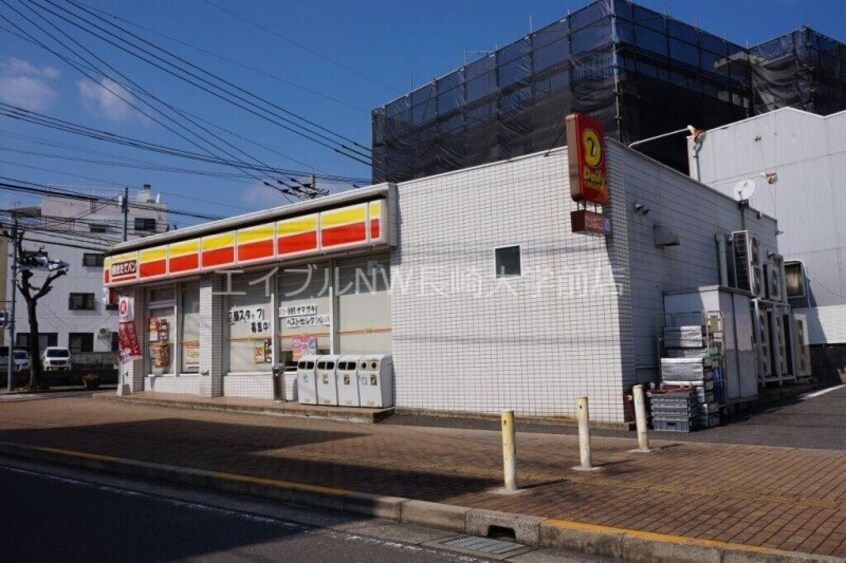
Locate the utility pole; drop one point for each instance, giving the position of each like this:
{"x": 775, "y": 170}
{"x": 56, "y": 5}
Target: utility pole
{"x": 124, "y": 206}
{"x": 11, "y": 358}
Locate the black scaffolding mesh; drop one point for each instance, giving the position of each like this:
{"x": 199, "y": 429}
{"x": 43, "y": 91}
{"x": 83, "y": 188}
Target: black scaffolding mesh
{"x": 639, "y": 72}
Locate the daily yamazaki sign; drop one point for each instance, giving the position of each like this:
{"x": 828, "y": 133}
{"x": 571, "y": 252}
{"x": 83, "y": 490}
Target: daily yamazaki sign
{"x": 362, "y": 224}
{"x": 587, "y": 162}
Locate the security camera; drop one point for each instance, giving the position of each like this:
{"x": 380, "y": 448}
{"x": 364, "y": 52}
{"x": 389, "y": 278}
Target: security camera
{"x": 640, "y": 209}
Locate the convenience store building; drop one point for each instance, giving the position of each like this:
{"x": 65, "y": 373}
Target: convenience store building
{"x": 479, "y": 282}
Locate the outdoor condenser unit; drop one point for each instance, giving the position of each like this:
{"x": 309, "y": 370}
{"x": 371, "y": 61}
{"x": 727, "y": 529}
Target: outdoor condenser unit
{"x": 747, "y": 262}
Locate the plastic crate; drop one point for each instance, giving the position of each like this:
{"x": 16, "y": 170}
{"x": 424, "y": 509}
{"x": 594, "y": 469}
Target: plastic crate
{"x": 671, "y": 425}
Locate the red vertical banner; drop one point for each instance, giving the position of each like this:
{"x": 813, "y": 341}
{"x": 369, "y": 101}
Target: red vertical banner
{"x": 130, "y": 348}
{"x": 586, "y": 159}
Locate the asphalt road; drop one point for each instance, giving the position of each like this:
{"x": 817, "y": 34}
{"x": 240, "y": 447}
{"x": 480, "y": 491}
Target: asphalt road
{"x": 48, "y": 513}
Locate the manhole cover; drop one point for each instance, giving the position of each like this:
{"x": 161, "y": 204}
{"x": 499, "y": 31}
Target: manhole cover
{"x": 484, "y": 545}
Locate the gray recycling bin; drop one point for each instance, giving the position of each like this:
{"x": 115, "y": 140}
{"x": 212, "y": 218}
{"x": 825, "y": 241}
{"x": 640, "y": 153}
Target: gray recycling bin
{"x": 376, "y": 380}
{"x": 306, "y": 380}
{"x": 327, "y": 380}
{"x": 347, "y": 370}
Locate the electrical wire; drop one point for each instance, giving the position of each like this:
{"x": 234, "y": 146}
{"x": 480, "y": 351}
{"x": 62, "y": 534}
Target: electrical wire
{"x": 126, "y": 99}
{"x": 304, "y": 47}
{"x": 239, "y": 98}
{"x": 228, "y": 60}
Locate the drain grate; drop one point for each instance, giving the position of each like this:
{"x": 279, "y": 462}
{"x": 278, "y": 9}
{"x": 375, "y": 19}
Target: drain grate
{"x": 484, "y": 545}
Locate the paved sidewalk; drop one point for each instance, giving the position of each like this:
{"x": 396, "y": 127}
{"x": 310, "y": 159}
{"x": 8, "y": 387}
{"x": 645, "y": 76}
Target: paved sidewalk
{"x": 782, "y": 498}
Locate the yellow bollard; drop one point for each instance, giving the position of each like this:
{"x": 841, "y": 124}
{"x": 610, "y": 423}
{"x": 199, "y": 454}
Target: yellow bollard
{"x": 509, "y": 451}
{"x": 640, "y": 419}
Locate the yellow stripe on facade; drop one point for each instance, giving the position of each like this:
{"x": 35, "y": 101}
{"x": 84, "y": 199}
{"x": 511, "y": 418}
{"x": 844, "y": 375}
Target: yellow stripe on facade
{"x": 253, "y": 234}
{"x": 183, "y": 248}
{"x": 375, "y": 208}
{"x": 153, "y": 254}
{"x": 344, "y": 215}
{"x": 297, "y": 225}
{"x": 218, "y": 241}
{"x": 126, "y": 257}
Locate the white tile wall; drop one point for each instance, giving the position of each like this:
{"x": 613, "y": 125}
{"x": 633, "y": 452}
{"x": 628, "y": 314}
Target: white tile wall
{"x": 696, "y": 213}
{"x": 533, "y": 347}
{"x": 166, "y": 384}
{"x": 252, "y": 386}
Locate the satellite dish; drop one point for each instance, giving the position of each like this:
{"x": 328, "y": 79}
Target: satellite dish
{"x": 744, "y": 189}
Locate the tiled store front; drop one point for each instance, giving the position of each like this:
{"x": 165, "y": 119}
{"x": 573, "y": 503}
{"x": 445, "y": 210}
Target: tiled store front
{"x": 473, "y": 280}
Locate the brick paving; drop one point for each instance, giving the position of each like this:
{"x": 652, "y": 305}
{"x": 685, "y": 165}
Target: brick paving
{"x": 783, "y": 498}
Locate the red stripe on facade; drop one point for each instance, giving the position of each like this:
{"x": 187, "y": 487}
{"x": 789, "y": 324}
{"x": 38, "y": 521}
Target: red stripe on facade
{"x": 218, "y": 257}
{"x": 375, "y": 229}
{"x": 346, "y": 234}
{"x": 184, "y": 263}
{"x": 151, "y": 269}
{"x": 296, "y": 243}
{"x": 256, "y": 250}
{"x": 105, "y": 276}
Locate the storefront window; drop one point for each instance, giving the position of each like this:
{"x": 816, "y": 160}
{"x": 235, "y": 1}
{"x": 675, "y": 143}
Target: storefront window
{"x": 248, "y": 316}
{"x": 160, "y": 325}
{"x": 305, "y": 309}
{"x": 190, "y": 325}
{"x": 364, "y": 305}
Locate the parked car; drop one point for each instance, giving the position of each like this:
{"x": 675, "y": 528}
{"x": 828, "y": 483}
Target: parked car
{"x": 20, "y": 358}
{"x": 56, "y": 358}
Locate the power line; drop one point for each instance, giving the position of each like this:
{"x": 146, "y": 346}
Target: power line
{"x": 118, "y": 94}
{"x": 43, "y": 120}
{"x": 158, "y": 166}
{"x": 238, "y": 99}
{"x": 304, "y": 47}
{"x": 49, "y": 190}
{"x": 231, "y": 61}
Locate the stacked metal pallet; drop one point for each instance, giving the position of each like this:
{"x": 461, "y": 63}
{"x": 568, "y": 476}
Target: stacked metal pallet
{"x": 673, "y": 409}
{"x": 699, "y": 374}
{"x": 690, "y": 365}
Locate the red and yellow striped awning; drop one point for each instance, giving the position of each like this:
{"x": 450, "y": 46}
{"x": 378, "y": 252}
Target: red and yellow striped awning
{"x": 351, "y": 226}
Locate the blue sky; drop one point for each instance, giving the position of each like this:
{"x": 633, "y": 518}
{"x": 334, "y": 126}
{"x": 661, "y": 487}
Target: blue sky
{"x": 330, "y": 61}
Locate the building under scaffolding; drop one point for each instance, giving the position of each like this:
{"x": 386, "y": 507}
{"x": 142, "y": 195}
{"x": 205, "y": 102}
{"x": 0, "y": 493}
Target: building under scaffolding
{"x": 638, "y": 71}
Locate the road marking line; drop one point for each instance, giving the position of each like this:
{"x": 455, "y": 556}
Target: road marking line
{"x": 680, "y": 540}
{"x": 821, "y": 392}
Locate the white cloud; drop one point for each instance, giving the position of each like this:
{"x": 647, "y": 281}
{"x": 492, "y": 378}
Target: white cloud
{"x": 25, "y": 85}
{"x": 21, "y": 67}
{"x": 260, "y": 196}
{"x": 109, "y": 99}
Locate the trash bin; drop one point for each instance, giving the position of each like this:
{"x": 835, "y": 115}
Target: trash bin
{"x": 376, "y": 380}
{"x": 348, "y": 381}
{"x": 278, "y": 384}
{"x": 306, "y": 381}
{"x": 290, "y": 382}
{"x": 327, "y": 380}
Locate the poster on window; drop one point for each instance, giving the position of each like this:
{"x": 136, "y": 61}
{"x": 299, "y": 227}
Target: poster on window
{"x": 153, "y": 329}
{"x": 262, "y": 353}
{"x": 303, "y": 346}
{"x": 191, "y": 360}
{"x": 160, "y": 354}
{"x": 128, "y": 344}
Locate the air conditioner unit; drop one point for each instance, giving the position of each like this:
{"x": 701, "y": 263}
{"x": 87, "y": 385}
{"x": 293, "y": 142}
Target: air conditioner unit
{"x": 756, "y": 281}
{"x": 105, "y": 332}
{"x": 761, "y": 320}
{"x": 804, "y": 355}
{"x": 774, "y": 292}
{"x": 746, "y": 257}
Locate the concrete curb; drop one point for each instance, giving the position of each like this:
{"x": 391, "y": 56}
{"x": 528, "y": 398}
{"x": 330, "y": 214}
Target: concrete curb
{"x": 617, "y": 543}
{"x": 324, "y": 414}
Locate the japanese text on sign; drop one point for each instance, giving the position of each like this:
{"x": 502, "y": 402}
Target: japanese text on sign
{"x": 245, "y": 315}
{"x": 314, "y": 320}
{"x": 298, "y": 310}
